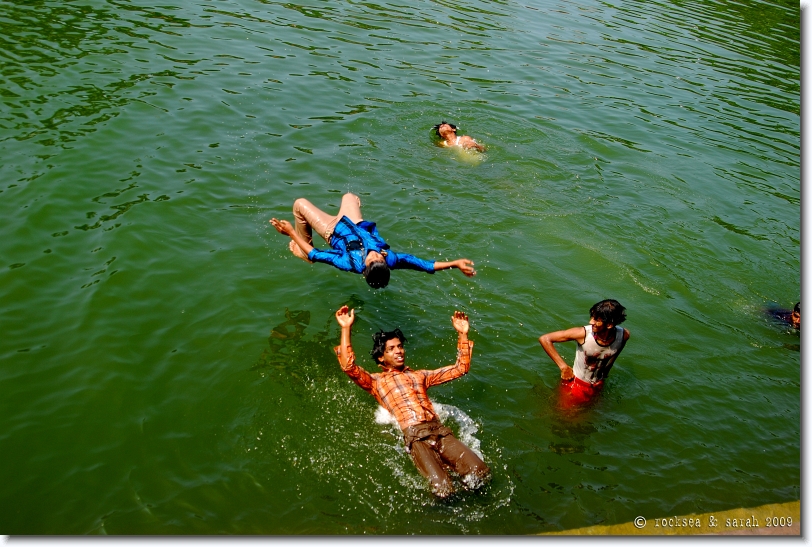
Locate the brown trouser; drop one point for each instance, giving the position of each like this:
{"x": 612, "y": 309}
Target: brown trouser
{"x": 433, "y": 446}
{"x": 308, "y": 217}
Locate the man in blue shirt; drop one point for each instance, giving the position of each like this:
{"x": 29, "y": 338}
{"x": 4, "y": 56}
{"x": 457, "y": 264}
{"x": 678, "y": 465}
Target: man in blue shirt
{"x": 355, "y": 245}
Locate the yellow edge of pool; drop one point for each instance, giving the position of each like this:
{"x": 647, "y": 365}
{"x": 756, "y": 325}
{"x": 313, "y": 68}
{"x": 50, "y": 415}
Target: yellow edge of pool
{"x": 774, "y": 519}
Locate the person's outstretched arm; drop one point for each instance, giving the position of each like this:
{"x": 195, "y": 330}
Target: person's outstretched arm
{"x": 547, "y": 341}
{"x": 470, "y": 142}
{"x": 284, "y": 227}
{"x": 345, "y": 318}
{"x": 464, "y": 346}
{"x": 465, "y": 349}
{"x": 463, "y": 264}
{"x": 346, "y": 357}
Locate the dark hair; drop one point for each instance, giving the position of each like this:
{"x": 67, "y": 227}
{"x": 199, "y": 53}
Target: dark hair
{"x": 377, "y": 274}
{"x": 608, "y": 311}
{"x": 379, "y": 340}
{"x": 436, "y": 128}
{"x": 797, "y": 308}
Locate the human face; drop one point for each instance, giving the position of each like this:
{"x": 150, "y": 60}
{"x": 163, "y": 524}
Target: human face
{"x": 394, "y": 355}
{"x": 373, "y": 256}
{"x": 796, "y": 319}
{"x": 446, "y": 131}
{"x": 599, "y": 327}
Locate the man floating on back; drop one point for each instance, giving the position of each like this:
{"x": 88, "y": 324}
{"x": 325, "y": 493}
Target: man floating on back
{"x": 448, "y": 137}
{"x": 402, "y": 391}
{"x": 355, "y": 245}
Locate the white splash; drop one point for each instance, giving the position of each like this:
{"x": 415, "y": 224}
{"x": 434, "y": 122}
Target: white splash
{"x": 467, "y": 427}
{"x": 384, "y": 417}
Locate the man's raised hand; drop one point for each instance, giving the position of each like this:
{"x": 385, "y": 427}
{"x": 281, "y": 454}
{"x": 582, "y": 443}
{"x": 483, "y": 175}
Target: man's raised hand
{"x": 460, "y": 322}
{"x": 345, "y": 316}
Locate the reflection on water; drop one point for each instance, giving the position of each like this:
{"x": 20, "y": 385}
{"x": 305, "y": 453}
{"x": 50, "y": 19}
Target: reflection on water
{"x": 572, "y": 424}
{"x": 283, "y": 341}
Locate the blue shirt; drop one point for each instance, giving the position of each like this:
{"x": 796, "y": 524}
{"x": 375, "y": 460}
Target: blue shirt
{"x": 351, "y": 242}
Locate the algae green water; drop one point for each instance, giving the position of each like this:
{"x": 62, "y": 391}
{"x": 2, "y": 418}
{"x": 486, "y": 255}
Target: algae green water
{"x": 166, "y": 363}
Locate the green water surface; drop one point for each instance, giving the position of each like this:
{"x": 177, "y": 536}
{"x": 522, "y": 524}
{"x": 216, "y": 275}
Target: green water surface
{"x": 166, "y": 364}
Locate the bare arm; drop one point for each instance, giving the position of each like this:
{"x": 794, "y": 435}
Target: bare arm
{"x": 547, "y": 341}
{"x": 463, "y": 264}
{"x": 625, "y": 339}
{"x": 469, "y": 142}
{"x": 284, "y": 227}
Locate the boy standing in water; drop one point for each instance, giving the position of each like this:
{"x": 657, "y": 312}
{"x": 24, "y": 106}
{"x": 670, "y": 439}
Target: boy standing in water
{"x": 402, "y": 391}
{"x": 355, "y": 243}
{"x": 598, "y": 346}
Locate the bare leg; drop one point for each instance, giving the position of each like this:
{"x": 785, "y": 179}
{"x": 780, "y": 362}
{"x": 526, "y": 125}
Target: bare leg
{"x": 430, "y": 466}
{"x": 464, "y": 461}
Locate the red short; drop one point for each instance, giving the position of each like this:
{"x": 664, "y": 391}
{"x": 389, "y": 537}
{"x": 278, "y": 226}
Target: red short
{"x": 577, "y": 392}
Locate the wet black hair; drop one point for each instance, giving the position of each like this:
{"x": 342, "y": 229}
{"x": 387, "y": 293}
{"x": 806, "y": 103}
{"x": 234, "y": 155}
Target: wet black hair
{"x": 436, "y": 128}
{"x": 797, "y": 308}
{"x": 377, "y": 274}
{"x": 379, "y": 340}
{"x": 609, "y": 311}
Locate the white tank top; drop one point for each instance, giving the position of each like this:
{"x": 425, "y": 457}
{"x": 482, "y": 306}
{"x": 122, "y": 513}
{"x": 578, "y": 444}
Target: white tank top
{"x": 593, "y": 361}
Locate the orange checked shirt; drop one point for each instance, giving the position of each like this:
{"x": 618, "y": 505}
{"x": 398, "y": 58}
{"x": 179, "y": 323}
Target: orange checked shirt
{"x": 403, "y": 393}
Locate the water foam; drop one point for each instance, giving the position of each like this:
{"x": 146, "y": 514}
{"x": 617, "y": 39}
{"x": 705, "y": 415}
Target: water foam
{"x": 466, "y": 425}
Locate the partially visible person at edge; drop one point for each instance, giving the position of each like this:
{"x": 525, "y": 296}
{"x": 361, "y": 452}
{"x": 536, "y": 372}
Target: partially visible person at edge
{"x": 355, "y": 243}
{"x": 448, "y": 135}
{"x": 791, "y": 318}
{"x": 598, "y": 345}
{"x": 402, "y": 391}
